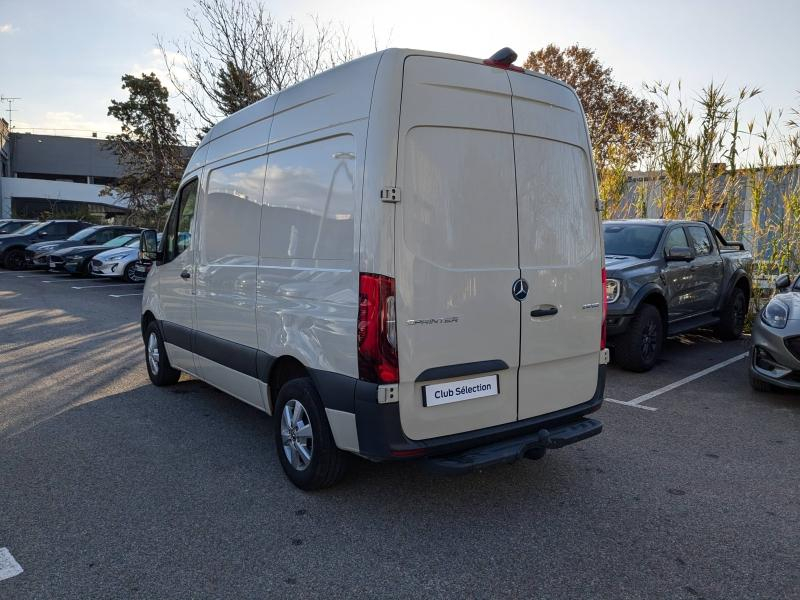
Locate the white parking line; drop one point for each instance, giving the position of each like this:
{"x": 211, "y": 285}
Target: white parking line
{"x": 88, "y": 287}
{"x": 637, "y": 402}
{"x": 8, "y": 566}
{"x": 123, "y": 295}
{"x": 628, "y": 404}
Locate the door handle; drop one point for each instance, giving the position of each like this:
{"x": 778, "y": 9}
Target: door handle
{"x": 186, "y": 274}
{"x": 544, "y": 312}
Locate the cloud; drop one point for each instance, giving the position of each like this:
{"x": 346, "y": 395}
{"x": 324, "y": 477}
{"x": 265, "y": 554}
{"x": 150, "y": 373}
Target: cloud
{"x": 67, "y": 123}
{"x": 7, "y": 28}
{"x": 154, "y": 63}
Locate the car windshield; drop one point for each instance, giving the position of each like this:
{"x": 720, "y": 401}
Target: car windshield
{"x": 29, "y": 228}
{"x": 122, "y": 240}
{"x": 82, "y": 234}
{"x": 134, "y": 243}
{"x": 631, "y": 240}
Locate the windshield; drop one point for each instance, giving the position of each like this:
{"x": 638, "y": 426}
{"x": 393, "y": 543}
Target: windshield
{"x": 631, "y": 240}
{"x": 82, "y": 234}
{"x": 29, "y": 228}
{"x": 122, "y": 240}
{"x": 134, "y": 243}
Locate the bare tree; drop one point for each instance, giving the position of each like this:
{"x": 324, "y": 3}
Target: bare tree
{"x": 237, "y": 46}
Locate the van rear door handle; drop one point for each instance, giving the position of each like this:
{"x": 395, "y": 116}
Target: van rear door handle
{"x": 185, "y": 274}
{"x": 544, "y": 312}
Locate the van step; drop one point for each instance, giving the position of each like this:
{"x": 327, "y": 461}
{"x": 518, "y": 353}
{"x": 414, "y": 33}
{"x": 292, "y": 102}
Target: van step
{"x": 511, "y": 450}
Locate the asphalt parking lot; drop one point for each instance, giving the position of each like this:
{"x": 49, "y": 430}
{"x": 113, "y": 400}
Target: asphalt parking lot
{"x": 112, "y": 488}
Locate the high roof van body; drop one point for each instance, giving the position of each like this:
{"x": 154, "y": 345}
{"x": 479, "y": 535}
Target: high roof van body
{"x": 400, "y": 257}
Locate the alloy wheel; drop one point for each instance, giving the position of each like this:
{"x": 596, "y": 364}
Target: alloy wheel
{"x": 296, "y": 435}
{"x": 153, "y": 353}
{"x": 649, "y": 341}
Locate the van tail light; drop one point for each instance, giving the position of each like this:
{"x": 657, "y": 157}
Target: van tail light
{"x": 605, "y": 312}
{"x": 377, "y": 329}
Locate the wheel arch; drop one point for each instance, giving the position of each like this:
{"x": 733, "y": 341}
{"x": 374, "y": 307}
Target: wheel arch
{"x": 147, "y": 318}
{"x": 652, "y": 294}
{"x": 280, "y": 371}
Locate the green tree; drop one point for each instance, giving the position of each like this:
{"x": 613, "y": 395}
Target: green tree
{"x": 236, "y": 88}
{"x": 622, "y": 125}
{"x": 148, "y": 149}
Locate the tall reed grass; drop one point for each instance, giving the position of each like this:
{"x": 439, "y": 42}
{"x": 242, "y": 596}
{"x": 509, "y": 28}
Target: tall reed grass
{"x": 707, "y": 164}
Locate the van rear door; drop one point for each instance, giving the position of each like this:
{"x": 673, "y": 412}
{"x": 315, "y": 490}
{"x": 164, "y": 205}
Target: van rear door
{"x": 456, "y": 249}
{"x": 559, "y": 248}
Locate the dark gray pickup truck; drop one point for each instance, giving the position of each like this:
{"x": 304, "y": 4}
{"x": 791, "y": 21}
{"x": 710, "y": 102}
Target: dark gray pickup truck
{"x": 669, "y": 277}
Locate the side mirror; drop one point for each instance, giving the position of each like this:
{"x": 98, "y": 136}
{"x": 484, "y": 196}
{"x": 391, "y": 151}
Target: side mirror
{"x": 782, "y": 282}
{"x": 42, "y": 234}
{"x": 679, "y": 253}
{"x": 91, "y": 242}
{"x": 148, "y": 245}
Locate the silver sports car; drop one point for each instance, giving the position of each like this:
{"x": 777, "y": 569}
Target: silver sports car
{"x": 775, "y": 355}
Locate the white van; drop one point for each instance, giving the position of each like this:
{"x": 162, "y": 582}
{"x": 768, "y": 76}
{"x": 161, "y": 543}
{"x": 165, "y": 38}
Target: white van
{"x": 399, "y": 258}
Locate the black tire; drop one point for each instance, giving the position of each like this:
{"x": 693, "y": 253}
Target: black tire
{"x": 161, "y": 372}
{"x": 732, "y": 316}
{"x": 327, "y": 464}
{"x": 129, "y": 272}
{"x": 639, "y": 347}
{"x": 14, "y": 259}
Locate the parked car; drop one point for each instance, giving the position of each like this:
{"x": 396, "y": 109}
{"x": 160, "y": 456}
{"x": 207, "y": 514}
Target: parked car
{"x": 12, "y": 246}
{"x": 77, "y": 260}
{"x": 119, "y": 262}
{"x": 36, "y": 255}
{"x": 421, "y": 277}
{"x": 669, "y": 277}
{"x": 775, "y": 352}
{"x": 11, "y": 225}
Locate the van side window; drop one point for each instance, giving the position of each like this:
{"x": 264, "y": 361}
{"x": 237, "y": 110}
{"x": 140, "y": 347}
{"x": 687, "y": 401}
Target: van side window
{"x": 178, "y": 232}
{"x": 676, "y": 239}
{"x": 700, "y": 240}
{"x": 309, "y": 201}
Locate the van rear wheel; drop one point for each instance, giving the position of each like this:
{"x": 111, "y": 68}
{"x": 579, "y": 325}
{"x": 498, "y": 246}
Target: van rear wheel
{"x": 303, "y": 438}
{"x": 158, "y": 368}
{"x": 639, "y": 347}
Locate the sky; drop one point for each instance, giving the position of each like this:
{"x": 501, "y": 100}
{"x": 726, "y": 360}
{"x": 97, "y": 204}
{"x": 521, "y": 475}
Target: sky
{"x": 64, "y": 60}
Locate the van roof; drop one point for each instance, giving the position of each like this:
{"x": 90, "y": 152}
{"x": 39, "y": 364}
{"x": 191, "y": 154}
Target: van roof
{"x": 265, "y": 107}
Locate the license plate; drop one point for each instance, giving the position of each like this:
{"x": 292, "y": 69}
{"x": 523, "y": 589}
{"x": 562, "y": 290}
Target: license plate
{"x": 463, "y": 389}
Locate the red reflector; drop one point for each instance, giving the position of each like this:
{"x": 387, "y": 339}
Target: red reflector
{"x": 408, "y": 453}
{"x": 376, "y": 331}
{"x": 605, "y": 312}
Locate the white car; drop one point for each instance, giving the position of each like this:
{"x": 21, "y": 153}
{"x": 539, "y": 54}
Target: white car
{"x": 399, "y": 258}
{"x": 118, "y": 262}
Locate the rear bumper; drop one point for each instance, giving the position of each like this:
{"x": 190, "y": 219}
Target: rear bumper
{"x": 511, "y": 450}
{"x": 381, "y": 437}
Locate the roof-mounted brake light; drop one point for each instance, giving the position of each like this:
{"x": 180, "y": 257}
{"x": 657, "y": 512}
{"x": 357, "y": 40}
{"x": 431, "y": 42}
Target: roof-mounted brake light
{"x": 503, "y": 59}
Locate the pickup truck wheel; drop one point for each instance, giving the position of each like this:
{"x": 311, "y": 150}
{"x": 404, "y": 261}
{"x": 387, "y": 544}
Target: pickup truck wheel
{"x": 303, "y": 438}
{"x": 639, "y": 347}
{"x": 732, "y": 317}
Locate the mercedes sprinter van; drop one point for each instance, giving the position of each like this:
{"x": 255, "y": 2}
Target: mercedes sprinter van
{"x": 398, "y": 258}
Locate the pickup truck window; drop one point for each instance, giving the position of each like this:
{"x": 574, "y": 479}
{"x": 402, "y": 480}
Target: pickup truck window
{"x": 676, "y": 239}
{"x": 631, "y": 240}
{"x": 700, "y": 240}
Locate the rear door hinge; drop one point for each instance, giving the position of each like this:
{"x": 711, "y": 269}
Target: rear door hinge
{"x": 390, "y": 194}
